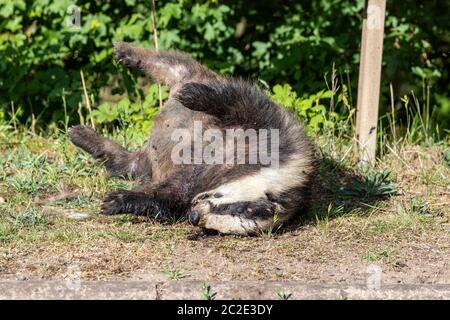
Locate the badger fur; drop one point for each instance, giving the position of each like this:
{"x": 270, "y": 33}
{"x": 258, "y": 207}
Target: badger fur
{"x": 232, "y": 198}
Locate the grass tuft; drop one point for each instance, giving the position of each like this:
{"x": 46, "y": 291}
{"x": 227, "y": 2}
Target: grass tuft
{"x": 372, "y": 184}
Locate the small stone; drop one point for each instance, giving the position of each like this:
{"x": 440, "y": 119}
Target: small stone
{"x": 20, "y": 277}
{"x": 2, "y": 200}
{"x": 72, "y": 214}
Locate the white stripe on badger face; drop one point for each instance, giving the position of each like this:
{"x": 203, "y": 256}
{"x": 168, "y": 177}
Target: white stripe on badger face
{"x": 273, "y": 180}
{"x": 233, "y": 224}
{"x": 229, "y": 224}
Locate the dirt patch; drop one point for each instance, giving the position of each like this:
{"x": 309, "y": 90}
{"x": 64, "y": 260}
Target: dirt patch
{"x": 403, "y": 238}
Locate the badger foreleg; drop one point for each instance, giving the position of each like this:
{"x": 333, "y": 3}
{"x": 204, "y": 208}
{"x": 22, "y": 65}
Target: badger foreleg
{"x": 135, "y": 202}
{"x": 164, "y": 200}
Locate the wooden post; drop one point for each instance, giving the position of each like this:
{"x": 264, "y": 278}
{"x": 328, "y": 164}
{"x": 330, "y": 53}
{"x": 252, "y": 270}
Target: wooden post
{"x": 155, "y": 42}
{"x": 369, "y": 78}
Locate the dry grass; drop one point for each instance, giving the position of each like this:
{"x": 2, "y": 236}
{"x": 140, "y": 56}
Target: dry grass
{"x": 49, "y": 225}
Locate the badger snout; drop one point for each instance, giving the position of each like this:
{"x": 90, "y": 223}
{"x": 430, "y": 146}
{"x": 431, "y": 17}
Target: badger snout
{"x": 194, "y": 217}
{"x": 200, "y": 209}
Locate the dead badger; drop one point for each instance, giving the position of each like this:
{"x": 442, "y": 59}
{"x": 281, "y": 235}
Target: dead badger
{"x": 231, "y": 196}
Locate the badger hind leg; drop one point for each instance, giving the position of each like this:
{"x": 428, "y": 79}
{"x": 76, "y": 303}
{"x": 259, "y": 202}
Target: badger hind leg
{"x": 118, "y": 161}
{"x": 168, "y": 67}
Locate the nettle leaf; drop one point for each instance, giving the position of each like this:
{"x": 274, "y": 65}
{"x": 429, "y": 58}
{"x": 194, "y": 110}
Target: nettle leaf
{"x": 169, "y": 38}
{"x": 325, "y": 95}
{"x": 305, "y": 104}
{"x": 223, "y": 8}
{"x": 59, "y": 7}
{"x": 169, "y": 11}
{"x": 319, "y": 109}
{"x": 134, "y": 108}
{"x": 130, "y": 3}
{"x": 105, "y": 113}
{"x": 261, "y": 48}
{"x": 200, "y": 11}
{"x": 7, "y": 7}
{"x": 209, "y": 32}
{"x": 123, "y": 105}
{"x": 315, "y": 121}
{"x": 419, "y": 72}
{"x": 284, "y": 95}
{"x": 102, "y": 55}
{"x": 14, "y": 24}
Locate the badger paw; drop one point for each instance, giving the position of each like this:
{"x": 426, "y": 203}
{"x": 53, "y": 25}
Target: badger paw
{"x": 125, "y": 54}
{"x": 208, "y": 195}
{"x": 115, "y": 202}
{"x": 81, "y": 135}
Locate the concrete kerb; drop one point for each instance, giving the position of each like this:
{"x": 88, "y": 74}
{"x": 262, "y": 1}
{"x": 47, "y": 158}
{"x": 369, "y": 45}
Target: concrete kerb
{"x": 187, "y": 290}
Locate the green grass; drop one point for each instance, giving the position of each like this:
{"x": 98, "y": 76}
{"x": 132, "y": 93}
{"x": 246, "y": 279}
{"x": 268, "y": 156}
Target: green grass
{"x": 371, "y": 184}
{"x": 378, "y": 254}
{"x": 30, "y": 218}
{"x": 174, "y": 273}
{"x": 402, "y": 198}
{"x": 283, "y": 296}
{"x": 207, "y": 292}
{"x": 323, "y": 218}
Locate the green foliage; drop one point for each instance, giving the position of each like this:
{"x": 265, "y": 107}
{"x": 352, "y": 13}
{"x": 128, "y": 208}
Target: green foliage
{"x": 29, "y": 218}
{"x": 379, "y": 254}
{"x": 174, "y": 273}
{"x": 134, "y": 118}
{"x": 371, "y": 184}
{"x": 323, "y": 218}
{"x": 207, "y": 292}
{"x": 296, "y": 42}
{"x": 283, "y": 296}
{"x": 447, "y": 157}
{"x": 311, "y": 109}
{"x": 419, "y": 206}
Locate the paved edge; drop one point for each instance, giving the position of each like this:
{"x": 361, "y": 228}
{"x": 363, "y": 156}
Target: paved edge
{"x": 187, "y": 290}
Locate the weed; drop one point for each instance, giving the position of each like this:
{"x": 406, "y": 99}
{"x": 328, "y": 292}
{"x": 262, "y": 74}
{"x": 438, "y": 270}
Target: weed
{"x": 446, "y": 157}
{"x": 207, "y": 292}
{"x": 372, "y": 184}
{"x": 174, "y": 273}
{"x": 29, "y": 218}
{"x": 323, "y": 220}
{"x": 7, "y": 232}
{"x": 283, "y": 296}
{"x": 419, "y": 207}
{"x": 274, "y": 228}
{"x": 379, "y": 254}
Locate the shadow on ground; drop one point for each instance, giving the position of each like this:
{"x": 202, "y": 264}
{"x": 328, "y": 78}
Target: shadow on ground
{"x": 340, "y": 191}
{"x": 337, "y": 191}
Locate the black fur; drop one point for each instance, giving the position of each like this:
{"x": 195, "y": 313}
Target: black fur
{"x": 198, "y": 94}
{"x": 255, "y": 209}
{"x": 140, "y": 203}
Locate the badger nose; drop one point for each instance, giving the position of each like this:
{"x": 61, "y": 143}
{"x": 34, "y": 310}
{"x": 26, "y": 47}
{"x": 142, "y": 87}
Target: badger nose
{"x": 194, "y": 217}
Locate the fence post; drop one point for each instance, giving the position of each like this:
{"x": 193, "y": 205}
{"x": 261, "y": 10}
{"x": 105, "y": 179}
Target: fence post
{"x": 369, "y": 79}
